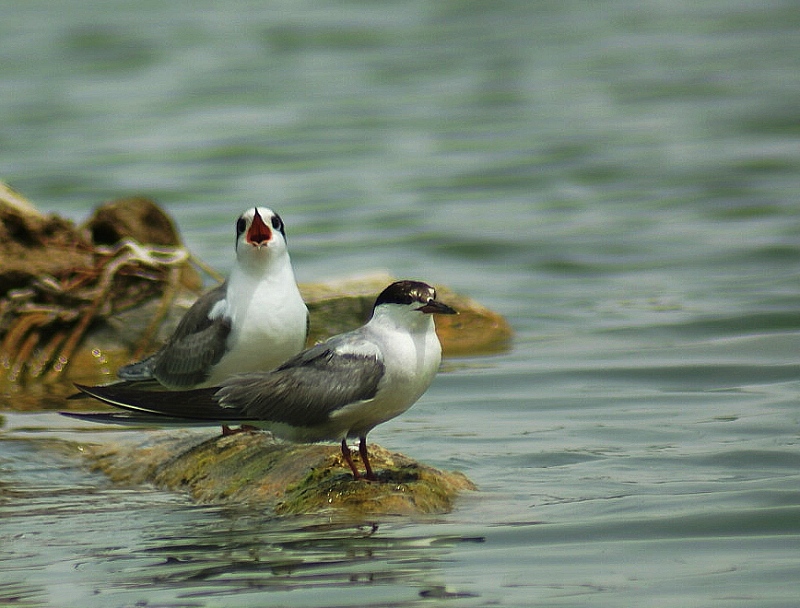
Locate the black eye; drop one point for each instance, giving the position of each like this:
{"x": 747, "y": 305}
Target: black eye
{"x": 277, "y": 224}
{"x": 241, "y": 224}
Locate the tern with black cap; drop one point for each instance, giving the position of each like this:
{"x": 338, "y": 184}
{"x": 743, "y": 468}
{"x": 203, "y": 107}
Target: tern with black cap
{"x": 341, "y": 388}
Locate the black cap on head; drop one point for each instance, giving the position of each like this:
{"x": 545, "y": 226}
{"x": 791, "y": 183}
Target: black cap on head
{"x": 411, "y": 292}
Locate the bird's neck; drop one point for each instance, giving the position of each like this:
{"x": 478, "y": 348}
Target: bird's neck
{"x": 413, "y": 323}
{"x": 260, "y": 265}
{"x": 267, "y": 284}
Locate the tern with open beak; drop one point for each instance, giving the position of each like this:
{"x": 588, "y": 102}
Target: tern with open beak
{"x": 255, "y": 320}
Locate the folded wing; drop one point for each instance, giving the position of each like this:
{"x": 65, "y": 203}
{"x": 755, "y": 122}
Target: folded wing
{"x": 198, "y": 343}
{"x": 307, "y": 389}
{"x": 303, "y": 392}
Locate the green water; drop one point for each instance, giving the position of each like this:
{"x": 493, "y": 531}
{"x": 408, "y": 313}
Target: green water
{"x": 620, "y": 179}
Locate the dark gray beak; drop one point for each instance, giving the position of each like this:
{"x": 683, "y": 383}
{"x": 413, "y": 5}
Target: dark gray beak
{"x": 438, "y": 308}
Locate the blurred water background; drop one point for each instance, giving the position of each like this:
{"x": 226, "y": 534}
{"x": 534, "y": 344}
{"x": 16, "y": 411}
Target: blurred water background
{"x": 619, "y": 178}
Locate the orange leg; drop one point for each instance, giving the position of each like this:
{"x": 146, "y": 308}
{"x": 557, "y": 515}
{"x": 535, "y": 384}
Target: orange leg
{"x": 362, "y": 449}
{"x": 348, "y": 458}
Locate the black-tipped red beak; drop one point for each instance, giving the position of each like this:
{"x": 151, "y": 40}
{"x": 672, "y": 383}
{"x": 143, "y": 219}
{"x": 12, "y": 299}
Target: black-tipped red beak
{"x": 259, "y": 233}
{"x": 435, "y": 307}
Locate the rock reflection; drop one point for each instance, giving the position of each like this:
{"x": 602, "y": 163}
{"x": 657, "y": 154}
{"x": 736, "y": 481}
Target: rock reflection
{"x": 250, "y": 553}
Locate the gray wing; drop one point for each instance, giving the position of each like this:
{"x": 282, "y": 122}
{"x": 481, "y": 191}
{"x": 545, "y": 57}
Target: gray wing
{"x": 195, "y": 346}
{"x": 305, "y": 390}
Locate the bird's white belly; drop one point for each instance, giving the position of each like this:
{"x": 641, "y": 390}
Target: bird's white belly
{"x": 415, "y": 361}
{"x": 257, "y": 352}
{"x": 267, "y": 331}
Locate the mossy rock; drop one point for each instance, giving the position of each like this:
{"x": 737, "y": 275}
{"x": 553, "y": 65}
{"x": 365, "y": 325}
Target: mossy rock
{"x": 253, "y": 469}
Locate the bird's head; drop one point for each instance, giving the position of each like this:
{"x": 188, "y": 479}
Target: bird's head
{"x": 260, "y": 234}
{"x": 411, "y": 301}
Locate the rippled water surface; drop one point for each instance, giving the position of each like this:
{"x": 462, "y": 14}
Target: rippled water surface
{"x": 620, "y": 179}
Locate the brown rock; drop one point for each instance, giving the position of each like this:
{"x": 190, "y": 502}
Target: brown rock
{"x": 33, "y": 244}
{"x": 58, "y": 286}
{"x": 136, "y": 218}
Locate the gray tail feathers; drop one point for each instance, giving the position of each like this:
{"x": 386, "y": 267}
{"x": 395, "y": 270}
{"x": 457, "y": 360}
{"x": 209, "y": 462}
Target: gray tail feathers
{"x": 141, "y": 370}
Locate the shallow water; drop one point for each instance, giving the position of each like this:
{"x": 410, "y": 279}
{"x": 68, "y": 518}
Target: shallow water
{"x": 620, "y": 179}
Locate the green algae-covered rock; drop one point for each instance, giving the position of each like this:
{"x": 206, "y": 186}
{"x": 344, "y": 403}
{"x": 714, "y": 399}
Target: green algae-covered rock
{"x": 253, "y": 469}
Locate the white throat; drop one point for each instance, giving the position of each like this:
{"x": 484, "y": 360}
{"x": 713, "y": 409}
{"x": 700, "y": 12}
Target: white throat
{"x": 267, "y": 315}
